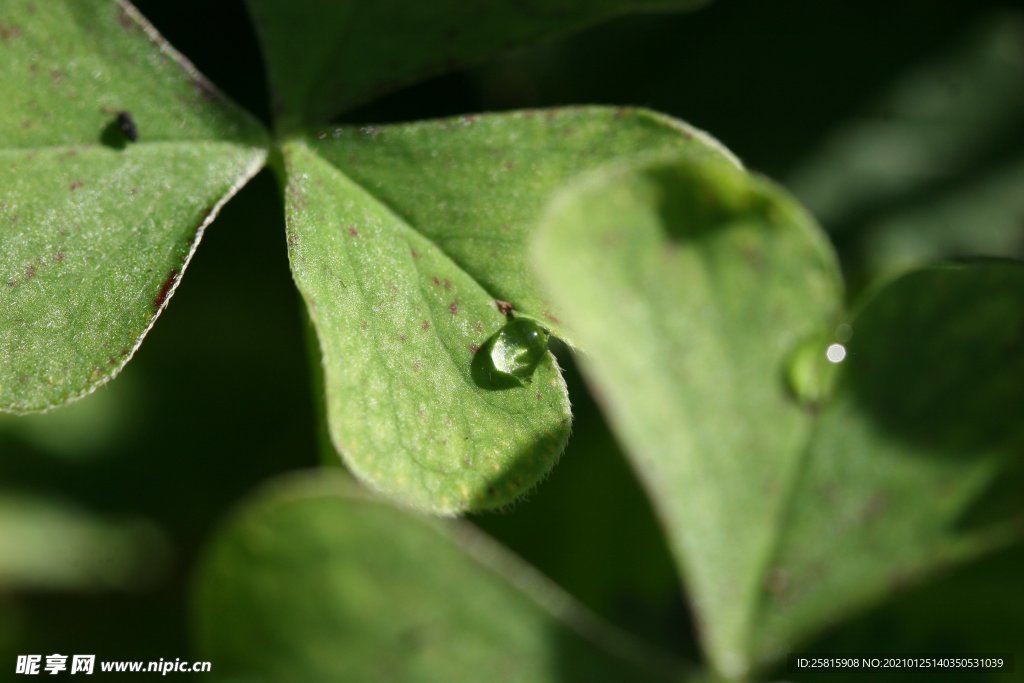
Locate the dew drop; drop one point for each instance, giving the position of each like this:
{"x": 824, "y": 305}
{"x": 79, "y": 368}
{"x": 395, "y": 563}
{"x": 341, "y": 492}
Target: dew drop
{"x": 518, "y": 348}
{"x": 811, "y": 368}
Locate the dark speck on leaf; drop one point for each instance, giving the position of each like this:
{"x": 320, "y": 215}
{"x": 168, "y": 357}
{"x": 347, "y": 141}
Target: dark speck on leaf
{"x": 8, "y": 31}
{"x": 125, "y": 20}
{"x": 503, "y": 306}
{"x": 75, "y": 185}
{"x": 127, "y": 125}
{"x": 165, "y": 289}
{"x": 353, "y": 231}
{"x": 454, "y": 308}
{"x": 204, "y": 88}
{"x": 473, "y": 348}
{"x": 425, "y": 325}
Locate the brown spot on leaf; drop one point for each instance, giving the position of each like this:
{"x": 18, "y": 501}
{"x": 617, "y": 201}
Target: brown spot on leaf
{"x": 552, "y": 318}
{"x": 425, "y": 325}
{"x": 353, "y": 231}
{"x": 59, "y": 256}
{"x": 125, "y": 19}
{"x": 415, "y": 254}
{"x": 165, "y": 289}
{"x": 30, "y": 271}
{"x": 75, "y": 185}
{"x": 9, "y": 31}
{"x": 454, "y": 308}
{"x": 509, "y": 165}
{"x": 57, "y": 75}
{"x": 503, "y": 306}
{"x": 473, "y": 348}
{"x": 778, "y": 582}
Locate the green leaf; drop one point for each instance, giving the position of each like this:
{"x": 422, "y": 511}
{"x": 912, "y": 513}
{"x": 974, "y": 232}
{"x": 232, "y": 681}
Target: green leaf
{"x": 408, "y": 244}
{"x": 336, "y": 585}
{"x": 96, "y": 229}
{"x": 916, "y": 462}
{"x": 48, "y": 545}
{"x": 694, "y": 288}
{"x": 324, "y": 57}
{"x": 689, "y": 283}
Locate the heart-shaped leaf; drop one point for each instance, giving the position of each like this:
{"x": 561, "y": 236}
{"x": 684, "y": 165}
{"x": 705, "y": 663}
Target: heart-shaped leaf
{"x": 695, "y": 287}
{"x": 408, "y": 244}
{"x": 334, "y": 585}
{"x": 325, "y": 56}
{"x": 115, "y": 154}
{"x": 917, "y": 461}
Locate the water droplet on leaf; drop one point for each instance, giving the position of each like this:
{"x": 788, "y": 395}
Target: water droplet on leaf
{"x": 518, "y": 348}
{"x": 811, "y": 369}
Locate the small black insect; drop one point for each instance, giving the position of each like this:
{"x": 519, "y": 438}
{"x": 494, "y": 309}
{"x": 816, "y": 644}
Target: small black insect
{"x": 127, "y": 125}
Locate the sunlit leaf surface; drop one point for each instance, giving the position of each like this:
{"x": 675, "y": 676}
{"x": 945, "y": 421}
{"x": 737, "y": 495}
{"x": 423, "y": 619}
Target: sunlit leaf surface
{"x": 408, "y": 244}
{"x": 96, "y": 227}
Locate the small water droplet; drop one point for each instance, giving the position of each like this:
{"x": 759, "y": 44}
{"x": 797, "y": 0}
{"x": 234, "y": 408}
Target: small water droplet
{"x": 518, "y": 348}
{"x": 811, "y": 369}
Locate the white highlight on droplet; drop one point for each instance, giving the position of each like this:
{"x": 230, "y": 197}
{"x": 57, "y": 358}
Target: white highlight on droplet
{"x": 835, "y": 353}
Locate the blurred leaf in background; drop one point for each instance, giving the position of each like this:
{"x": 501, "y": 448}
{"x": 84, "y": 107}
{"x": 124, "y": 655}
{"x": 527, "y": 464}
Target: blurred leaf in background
{"x": 336, "y": 584}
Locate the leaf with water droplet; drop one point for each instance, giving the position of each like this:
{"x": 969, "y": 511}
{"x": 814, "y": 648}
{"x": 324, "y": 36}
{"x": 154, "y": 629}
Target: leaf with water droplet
{"x": 518, "y": 348}
{"x": 810, "y": 375}
{"x": 407, "y": 243}
{"x": 786, "y": 520}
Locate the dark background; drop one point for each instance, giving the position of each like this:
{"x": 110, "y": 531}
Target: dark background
{"x": 219, "y": 398}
